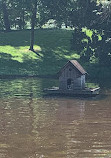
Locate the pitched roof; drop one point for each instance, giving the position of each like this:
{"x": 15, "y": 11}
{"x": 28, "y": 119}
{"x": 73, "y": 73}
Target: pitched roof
{"x": 76, "y": 65}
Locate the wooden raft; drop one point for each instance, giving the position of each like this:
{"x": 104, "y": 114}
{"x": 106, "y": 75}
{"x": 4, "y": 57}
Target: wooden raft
{"x": 89, "y": 92}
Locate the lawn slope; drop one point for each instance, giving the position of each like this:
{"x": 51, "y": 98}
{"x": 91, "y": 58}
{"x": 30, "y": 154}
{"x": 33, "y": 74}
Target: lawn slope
{"x": 53, "y": 45}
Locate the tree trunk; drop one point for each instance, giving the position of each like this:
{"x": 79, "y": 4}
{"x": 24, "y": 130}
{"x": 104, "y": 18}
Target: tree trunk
{"x": 33, "y": 19}
{"x": 23, "y": 19}
{"x": 23, "y": 15}
{"x": 5, "y": 16}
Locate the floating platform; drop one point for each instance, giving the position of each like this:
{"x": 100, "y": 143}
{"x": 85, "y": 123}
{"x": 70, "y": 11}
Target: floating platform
{"x": 87, "y": 92}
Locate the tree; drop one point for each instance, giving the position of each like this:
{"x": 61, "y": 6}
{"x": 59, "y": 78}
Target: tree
{"x": 19, "y": 9}
{"x": 5, "y": 15}
{"x": 82, "y": 16}
{"x": 103, "y": 50}
{"x": 58, "y": 10}
{"x": 33, "y": 20}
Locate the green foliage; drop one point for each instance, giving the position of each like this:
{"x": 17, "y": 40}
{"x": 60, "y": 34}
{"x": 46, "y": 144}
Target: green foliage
{"x": 89, "y": 19}
{"x": 93, "y": 44}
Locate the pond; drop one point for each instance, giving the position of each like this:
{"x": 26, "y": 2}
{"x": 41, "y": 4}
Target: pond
{"x": 35, "y": 126}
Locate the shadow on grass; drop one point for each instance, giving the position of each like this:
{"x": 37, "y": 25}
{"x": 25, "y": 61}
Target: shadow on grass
{"x": 48, "y": 64}
{"x": 44, "y": 37}
{"x": 16, "y": 39}
{"x": 8, "y": 66}
{"x": 55, "y": 51}
{"x": 51, "y": 62}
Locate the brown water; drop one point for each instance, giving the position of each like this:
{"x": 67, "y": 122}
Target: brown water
{"x": 52, "y": 127}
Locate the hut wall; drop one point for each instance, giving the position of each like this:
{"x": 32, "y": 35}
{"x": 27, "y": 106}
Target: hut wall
{"x": 83, "y": 81}
{"x": 78, "y": 80}
{"x": 69, "y": 73}
{"x": 77, "y": 83}
{"x": 63, "y": 85}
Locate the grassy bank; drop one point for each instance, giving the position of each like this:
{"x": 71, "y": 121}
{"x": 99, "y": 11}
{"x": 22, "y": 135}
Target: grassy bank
{"x": 52, "y": 45}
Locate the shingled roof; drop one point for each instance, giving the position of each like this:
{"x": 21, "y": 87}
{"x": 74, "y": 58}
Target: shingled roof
{"x": 76, "y": 65}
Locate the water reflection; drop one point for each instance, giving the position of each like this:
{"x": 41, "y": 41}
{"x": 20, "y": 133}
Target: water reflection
{"x": 24, "y": 87}
{"x": 36, "y": 127}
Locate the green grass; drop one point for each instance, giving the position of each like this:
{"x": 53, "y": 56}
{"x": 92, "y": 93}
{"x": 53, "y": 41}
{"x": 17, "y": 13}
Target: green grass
{"x": 53, "y": 46}
{"x": 92, "y": 85}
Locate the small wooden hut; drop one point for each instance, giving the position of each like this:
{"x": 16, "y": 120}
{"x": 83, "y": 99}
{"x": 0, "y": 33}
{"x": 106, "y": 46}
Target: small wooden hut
{"x": 72, "y": 81}
{"x": 72, "y": 76}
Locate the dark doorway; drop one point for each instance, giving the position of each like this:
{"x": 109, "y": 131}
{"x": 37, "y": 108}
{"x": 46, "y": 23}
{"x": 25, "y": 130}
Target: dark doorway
{"x": 69, "y": 83}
